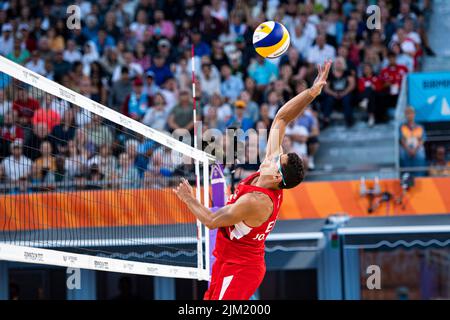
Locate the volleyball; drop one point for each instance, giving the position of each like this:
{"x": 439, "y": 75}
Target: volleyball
{"x": 271, "y": 39}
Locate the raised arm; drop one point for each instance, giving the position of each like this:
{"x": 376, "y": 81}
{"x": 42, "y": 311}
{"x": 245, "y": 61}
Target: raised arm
{"x": 292, "y": 109}
{"x": 246, "y": 207}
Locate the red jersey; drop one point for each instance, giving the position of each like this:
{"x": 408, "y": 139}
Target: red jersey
{"x": 369, "y": 82}
{"x": 242, "y": 244}
{"x": 26, "y": 108}
{"x": 394, "y": 76}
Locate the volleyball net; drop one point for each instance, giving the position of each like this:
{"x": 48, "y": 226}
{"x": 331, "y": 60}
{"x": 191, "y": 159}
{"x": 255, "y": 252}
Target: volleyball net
{"x": 84, "y": 186}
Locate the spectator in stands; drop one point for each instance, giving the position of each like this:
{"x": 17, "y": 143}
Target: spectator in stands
{"x": 201, "y": 48}
{"x": 209, "y": 77}
{"x": 180, "y": 117}
{"x": 262, "y": 71}
{"x": 369, "y": 87}
{"x": 440, "y": 166}
{"x": 150, "y": 86}
{"x": 44, "y": 168}
{"x": 113, "y": 64}
{"x": 321, "y": 51}
{"x": 63, "y": 132}
{"x": 83, "y": 116}
{"x": 36, "y": 63}
{"x": 5, "y": 104}
{"x": 161, "y": 27}
{"x": 60, "y": 66}
{"x": 33, "y": 143}
{"x": 105, "y": 162}
{"x": 212, "y": 119}
{"x": 24, "y": 105}
{"x": 19, "y": 54}
{"x": 16, "y": 166}
{"x": 6, "y": 39}
{"x": 46, "y": 114}
{"x": 135, "y": 154}
{"x": 392, "y": 77}
{"x": 218, "y": 56}
{"x": 338, "y": 90}
{"x": 156, "y": 116}
{"x": 128, "y": 175}
{"x": 161, "y": 69}
{"x": 239, "y": 119}
{"x": 102, "y": 40}
{"x": 84, "y": 146}
{"x": 231, "y": 85}
{"x": 95, "y": 178}
{"x": 141, "y": 56}
{"x": 76, "y": 161}
{"x": 412, "y": 138}
{"x": 136, "y": 104}
{"x": 97, "y": 133}
{"x": 72, "y": 54}
{"x": 120, "y": 90}
{"x": 273, "y": 102}
{"x": 10, "y": 131}
{"x": 252, "y": 108}
{"x": 309, "y": 121}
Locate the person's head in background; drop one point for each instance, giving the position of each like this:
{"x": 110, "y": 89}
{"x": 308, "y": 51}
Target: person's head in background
{"x": 216, "y": 100}
{"x": 410, "y": 115}
{"x": 239, "y": 108}
{"x": 367, "y": 70}
{"x": 131, "y": 148}
{"x": 124, "y": 74}
{"x": 339, "y": 65}
{"x": 16, "y": 148}
{"x": 125, "y": 160}
{"x": 441, "y": 155}
{"x": 250, "y": 84}
{"x": 321, "y": 40}
{"x": 273, "y": 98}
{"x": 226, "y": 71}
{"x": 85, "y": 86}
{"x": 159, "y": 60}
{"x": 159, "y": 101}
{"x": 138, "y": 86}
{"x": 46, "y": 149}
{"x": 264, "y": 112}
{"x": 184, "y": 99}
{"x": 392, "y": 58}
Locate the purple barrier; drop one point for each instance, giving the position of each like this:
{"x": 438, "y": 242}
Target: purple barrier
{"x": 218, "y": 200}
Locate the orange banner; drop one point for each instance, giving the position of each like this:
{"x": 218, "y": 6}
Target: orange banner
{"x": 320, "y": 199}
{"x": 141, "y": 207}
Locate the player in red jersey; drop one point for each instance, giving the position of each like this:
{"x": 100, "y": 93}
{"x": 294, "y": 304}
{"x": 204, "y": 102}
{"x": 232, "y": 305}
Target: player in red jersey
{"x": 251, "y": 212}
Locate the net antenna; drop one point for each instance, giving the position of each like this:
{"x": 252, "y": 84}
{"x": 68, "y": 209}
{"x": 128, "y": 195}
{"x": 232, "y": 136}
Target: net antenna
{"x": 136, "y": 230}
{"x": 202, "y": 231}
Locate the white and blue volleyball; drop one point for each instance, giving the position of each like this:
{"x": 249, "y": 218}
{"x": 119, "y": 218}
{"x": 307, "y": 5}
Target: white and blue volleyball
{"x": 271, "y": 39}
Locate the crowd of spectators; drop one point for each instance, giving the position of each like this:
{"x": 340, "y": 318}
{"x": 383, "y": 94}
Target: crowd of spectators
{"x": 135, "y": 57}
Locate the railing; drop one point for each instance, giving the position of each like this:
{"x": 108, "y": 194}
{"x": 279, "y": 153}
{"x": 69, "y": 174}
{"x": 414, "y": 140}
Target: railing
{"x": 402, "y": 103}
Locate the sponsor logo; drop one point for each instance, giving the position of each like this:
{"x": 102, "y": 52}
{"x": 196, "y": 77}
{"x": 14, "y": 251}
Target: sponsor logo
{"x": 98, "y": 107}
{"x": 32, "y": 256}
{"x": 66, "y": 94}
{"x": 152, "y": 270}
{"x": 128, "y": 266}
{"x": 103, "y": 265}
{"x": 125, "y": 121}
{"x": 70, "y": 259}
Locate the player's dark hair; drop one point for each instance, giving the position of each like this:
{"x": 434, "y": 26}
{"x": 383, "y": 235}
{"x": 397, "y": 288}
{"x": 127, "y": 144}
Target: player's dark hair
{"x": 293, "y": 171}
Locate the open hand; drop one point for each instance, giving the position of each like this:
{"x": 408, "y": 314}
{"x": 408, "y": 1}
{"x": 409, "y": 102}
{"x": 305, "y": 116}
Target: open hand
{"x": 184, "y": 191}
{"x": 321, "y": 79}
